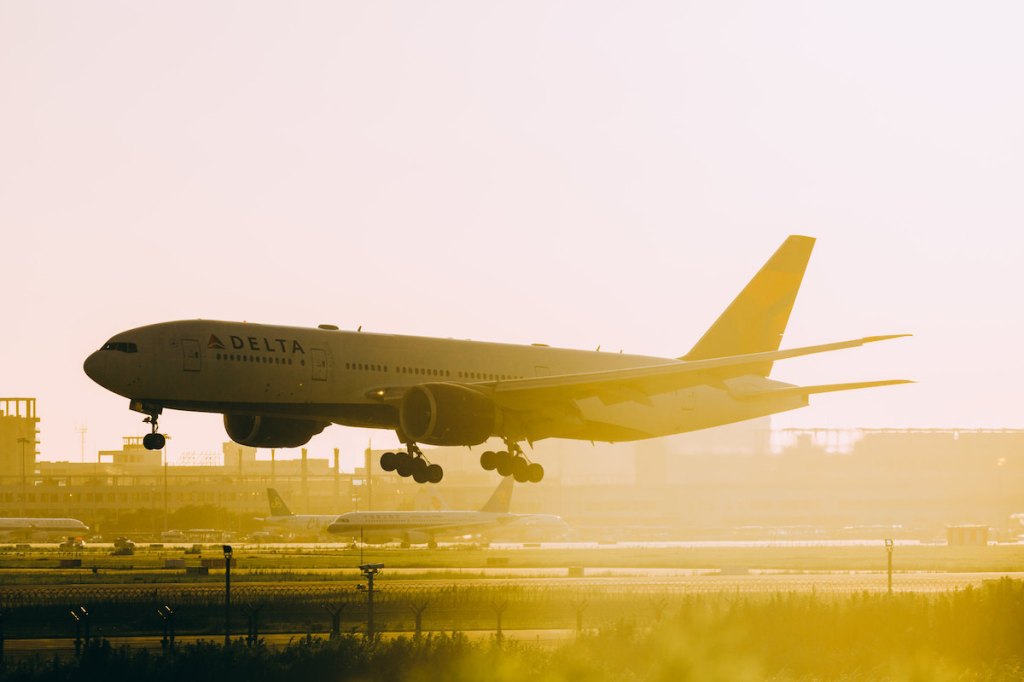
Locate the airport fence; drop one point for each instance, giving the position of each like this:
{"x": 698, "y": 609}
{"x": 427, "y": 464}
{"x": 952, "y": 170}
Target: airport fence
{"x": 198, "y": 608}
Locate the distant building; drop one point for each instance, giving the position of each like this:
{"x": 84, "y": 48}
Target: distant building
{"x": 742, "y": 480}
{"x": 19, "y": 436}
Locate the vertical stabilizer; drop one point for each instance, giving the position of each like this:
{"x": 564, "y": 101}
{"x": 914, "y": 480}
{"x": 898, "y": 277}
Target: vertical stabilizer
{"x": 277, "y": 505}
{"x": 756, "y": 319}
{"x": 501, "y": 499}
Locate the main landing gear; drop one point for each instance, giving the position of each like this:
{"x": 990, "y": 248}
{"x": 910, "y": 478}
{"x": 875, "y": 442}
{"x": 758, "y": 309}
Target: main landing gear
{"x": 153, "y": 440}
{"x": 412, "y": 463}
{"x": 513, "y": 463}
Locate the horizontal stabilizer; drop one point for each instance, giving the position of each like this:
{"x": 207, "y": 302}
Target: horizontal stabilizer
{"x": 821, "y": 388}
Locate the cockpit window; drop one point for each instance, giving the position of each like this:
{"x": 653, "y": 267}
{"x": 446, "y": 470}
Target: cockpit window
{"x": 122, "y": 346}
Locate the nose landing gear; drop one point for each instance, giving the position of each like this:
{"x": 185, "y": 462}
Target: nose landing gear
{"x": 512, "y": 462}
{"x": 412, "y": 463}
{"x": 153, "y": 440}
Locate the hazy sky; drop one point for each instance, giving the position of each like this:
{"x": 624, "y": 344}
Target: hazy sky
{"x": 577, "y": 173}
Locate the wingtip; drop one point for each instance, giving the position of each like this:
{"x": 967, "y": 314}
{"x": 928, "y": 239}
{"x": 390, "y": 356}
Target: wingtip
{"x": 884, "y": 337}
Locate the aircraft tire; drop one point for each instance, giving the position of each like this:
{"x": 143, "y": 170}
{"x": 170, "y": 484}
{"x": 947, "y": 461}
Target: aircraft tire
{"x": 387, "y": 461}
{"x": 419, "y": 474}
{"x": 154, "y": 441}
{"x": 503, "y": 463}
{"x": 403, "y": 465}
{"x": 434, "y": 473}
{"x": 535, "y": 473}
{"x": 489, "y": 460}
{"x": 520, "y": 470}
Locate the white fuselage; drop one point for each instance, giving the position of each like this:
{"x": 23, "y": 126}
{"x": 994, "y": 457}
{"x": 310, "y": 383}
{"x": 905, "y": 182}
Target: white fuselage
{"x": 40, "y": 529}
{"x": 328, "y": 375}
{"x": 425, "y": 523}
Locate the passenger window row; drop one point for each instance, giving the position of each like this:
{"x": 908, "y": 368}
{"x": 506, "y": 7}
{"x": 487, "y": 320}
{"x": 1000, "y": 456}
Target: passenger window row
{"x": 260, "y": 359}
{"x": 430, "y": 372}
{"x": 365, "y": 367}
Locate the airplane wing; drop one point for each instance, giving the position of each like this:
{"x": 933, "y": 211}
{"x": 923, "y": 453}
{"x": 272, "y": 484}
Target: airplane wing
{"x": 637, "y": 383}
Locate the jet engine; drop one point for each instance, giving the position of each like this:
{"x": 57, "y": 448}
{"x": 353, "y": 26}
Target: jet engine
{"x": 270, "y": 432}
{"x": 447, "y": 414}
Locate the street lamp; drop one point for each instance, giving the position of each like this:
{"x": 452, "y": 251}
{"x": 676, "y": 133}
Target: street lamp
{"x": 369, "y": 571}
{"x": 166, "y": 614}
{"x": 227, "y": 593}
{"x": 81, "y": 616}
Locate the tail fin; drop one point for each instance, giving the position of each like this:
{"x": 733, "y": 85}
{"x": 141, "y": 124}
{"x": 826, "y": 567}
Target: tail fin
{"x": 756, "y": 319}
{"x": 277, "y": 505}
{"x": 501, "y": 499}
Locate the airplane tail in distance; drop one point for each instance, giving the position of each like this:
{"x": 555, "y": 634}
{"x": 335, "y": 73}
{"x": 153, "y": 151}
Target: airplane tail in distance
{"x": 756, "y": 319}
{"x": 277, "y": 505}
{"x": 501, "y": 499}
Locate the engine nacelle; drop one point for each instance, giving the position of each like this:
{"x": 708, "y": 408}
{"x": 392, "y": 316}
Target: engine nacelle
{"x": 447, "y": 414}
{"x": 270, "y": 432}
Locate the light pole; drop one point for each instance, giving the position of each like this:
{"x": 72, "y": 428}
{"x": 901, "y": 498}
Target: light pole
{"x": 888, "y": 549}
{"x": 81, "y": 616}
{"x": 166, "y": 614}
{"x": 227, "y": 594}
{"x": 24, "y": 481}
{"x": 369, "y": 572}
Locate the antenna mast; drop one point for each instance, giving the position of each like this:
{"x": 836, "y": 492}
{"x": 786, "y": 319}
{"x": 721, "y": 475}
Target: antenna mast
{"x": 82, "y": 429}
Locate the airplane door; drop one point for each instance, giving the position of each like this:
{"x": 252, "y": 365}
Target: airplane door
{"x": 319, "y": 359}
{"x": 190, "y": 349}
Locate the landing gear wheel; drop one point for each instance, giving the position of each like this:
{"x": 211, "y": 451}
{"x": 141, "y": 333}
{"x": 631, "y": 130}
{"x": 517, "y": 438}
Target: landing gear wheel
{"x": 534, "y": 473}
{"x": 412, "y": 463}
{"x": 512, "y": 462}
{"x": 520, "y": 469}
{"x": 419, "y": 470}
{"x": 154, "y": 441}
{"x": 504, "y": 463}
{"x": 404, "y": 464}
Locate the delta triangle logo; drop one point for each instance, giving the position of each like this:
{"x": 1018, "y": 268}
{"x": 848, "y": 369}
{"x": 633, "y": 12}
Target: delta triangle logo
{"x": 214, "y": 343}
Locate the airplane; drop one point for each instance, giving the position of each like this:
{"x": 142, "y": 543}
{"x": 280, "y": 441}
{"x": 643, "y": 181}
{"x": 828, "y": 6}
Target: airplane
{"x": 277, "y": 387}
{"x": 12, "y": 528}
{"x": 424, "y": 526}
{"x": 282, "y": 518}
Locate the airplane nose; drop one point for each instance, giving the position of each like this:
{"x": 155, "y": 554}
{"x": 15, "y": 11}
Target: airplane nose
{"x": 95, "y": 366}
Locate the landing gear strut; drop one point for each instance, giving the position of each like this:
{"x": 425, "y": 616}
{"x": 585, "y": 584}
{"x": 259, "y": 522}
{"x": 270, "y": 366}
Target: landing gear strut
{"x": 512, "y": 462}
{"x": 153, "y": 440}
{"x": 412, "y": 463}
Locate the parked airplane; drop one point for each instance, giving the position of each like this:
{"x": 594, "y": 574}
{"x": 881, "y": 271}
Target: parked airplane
{"x": 424, "y": 526}
{"x": 277, "y": 387}
{"x": 40, "y": 529}
{"x": 282, "y": 518}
